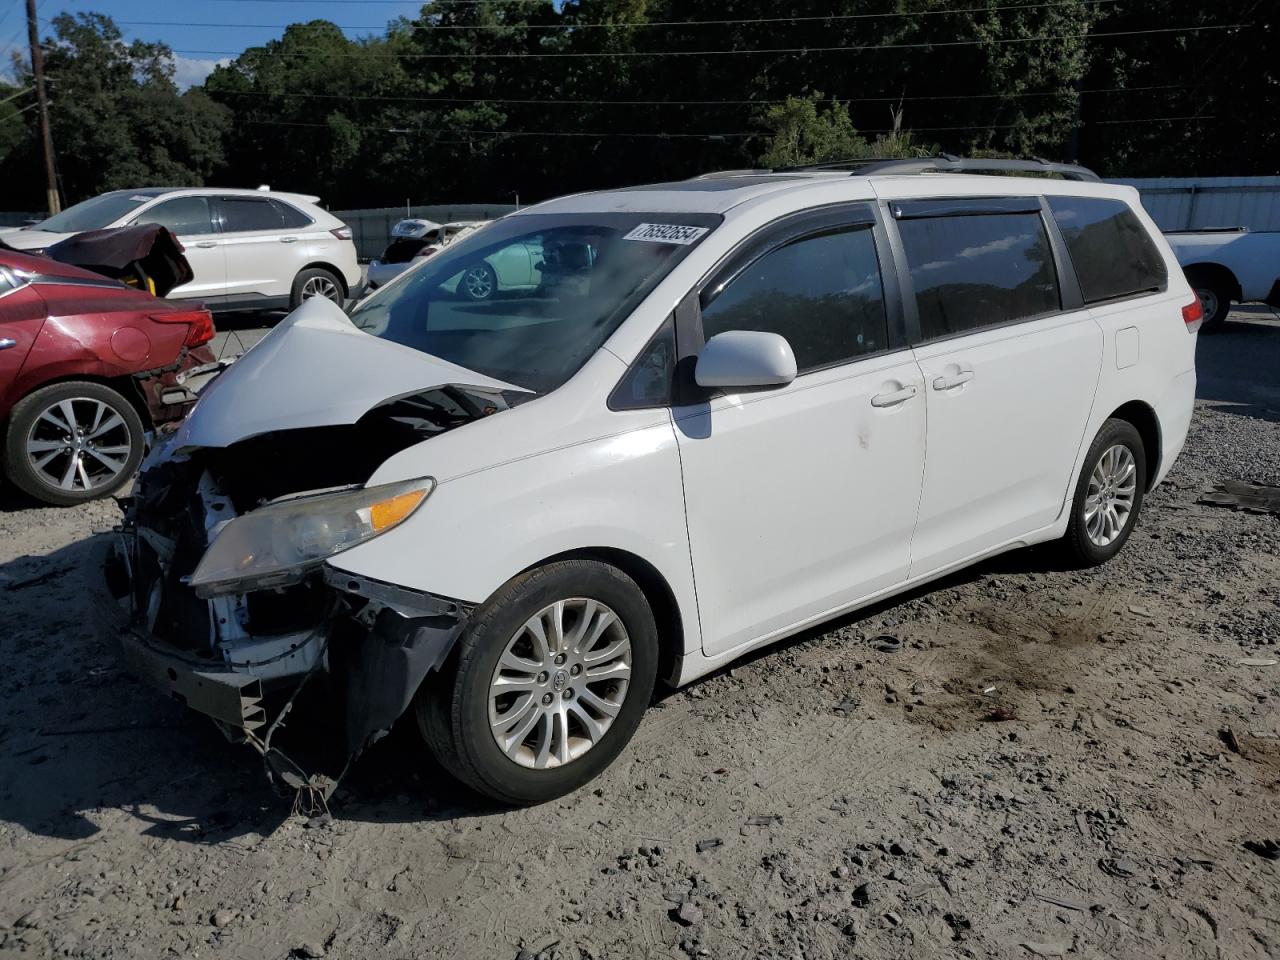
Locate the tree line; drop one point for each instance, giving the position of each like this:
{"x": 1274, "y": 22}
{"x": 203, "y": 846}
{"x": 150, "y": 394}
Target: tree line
{"x": 504, "y": 98}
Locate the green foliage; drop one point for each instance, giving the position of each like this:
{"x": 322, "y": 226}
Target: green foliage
{"x": 462, "y": 102}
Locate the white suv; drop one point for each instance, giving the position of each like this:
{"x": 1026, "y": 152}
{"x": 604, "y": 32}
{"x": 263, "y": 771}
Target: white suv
{"x": 248, "y": 249}
{"x": 742, "y": 405}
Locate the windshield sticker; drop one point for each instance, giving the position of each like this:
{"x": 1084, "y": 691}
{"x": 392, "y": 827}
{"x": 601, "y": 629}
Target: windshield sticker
{"x": 667, "y": 233}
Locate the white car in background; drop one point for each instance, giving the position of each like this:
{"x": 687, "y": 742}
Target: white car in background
{"x": 249, "y": 249}
{"x": 1229, "y": 265}
{"x": 412, "y": 241}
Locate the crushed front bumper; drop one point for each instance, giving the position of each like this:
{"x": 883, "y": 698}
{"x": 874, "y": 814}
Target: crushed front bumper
{"x": 228, "y": 657}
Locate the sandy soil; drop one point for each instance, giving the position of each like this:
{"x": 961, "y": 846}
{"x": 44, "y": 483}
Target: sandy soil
{"x": 1042, "y": 769}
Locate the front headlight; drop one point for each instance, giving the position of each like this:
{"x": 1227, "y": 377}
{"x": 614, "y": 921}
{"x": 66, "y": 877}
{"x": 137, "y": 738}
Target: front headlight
{"x": 278, "y": 544}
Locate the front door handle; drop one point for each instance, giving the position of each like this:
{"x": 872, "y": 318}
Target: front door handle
{"x": 893, "y": 398}
{"x": 288, "y": 239}
{"x": 955, "y": 380}
{"x": 206, "y": 244}
{"x": 6, "y": 343}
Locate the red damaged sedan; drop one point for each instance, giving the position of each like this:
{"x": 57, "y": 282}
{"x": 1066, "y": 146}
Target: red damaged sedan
{"x": 88, "y": 365}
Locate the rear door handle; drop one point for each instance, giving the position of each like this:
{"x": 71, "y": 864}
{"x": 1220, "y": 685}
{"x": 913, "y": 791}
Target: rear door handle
{"x": 288, "y": 239}
{"x": 956, "y": 380}
{"x": 205, "y": 244}
{"x": 893, "y": 398}
{"x": 6, "y": 343}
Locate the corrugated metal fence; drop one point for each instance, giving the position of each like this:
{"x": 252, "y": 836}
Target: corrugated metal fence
{"x": 372, "y": 228}
{"x": 1203, "y": 202}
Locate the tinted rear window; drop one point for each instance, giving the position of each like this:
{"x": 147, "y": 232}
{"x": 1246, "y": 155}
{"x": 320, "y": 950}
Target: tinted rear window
{"x": 1110, "y": 249}
{"x": 977, "y": 271}
{"x": 249, "y": 213}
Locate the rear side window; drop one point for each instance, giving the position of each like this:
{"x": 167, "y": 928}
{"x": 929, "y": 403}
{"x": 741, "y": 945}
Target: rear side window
{"x": 249, "y": 213}
{"x": 291, "y": 217}
{"x": 978, "y": 271}
{"x": 822, "y": 294}
{"x": 185, "y": 216}
{"x": 1111, "y": 251}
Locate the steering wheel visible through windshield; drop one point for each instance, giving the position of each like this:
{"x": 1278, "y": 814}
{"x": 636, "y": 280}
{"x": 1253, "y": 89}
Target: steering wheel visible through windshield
{"x": 529, "y": 298}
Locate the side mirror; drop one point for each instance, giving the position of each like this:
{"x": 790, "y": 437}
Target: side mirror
{"x": 745, "y": 358}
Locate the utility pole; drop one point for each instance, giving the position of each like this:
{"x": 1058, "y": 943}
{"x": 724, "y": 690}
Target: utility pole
{"x": 37, "y": 68}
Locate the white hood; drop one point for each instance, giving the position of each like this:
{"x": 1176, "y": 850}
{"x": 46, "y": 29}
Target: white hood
{"x": 315, "y": 369}
{"x": 21, "y": 239}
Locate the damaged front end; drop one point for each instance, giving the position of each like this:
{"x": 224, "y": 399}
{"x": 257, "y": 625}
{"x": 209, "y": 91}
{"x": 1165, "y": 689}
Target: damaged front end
{"x": 222, "y": 560}
{"x": 240, "y": 651}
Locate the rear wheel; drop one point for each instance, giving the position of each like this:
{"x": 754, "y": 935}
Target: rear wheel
{"x": 551, "y": 679}
{"x": 1108, "y": 496}
{"x": 1215, "y": 302}
{"x": 72, "y": 442}
{"x": 479, "y": 282}
{"x": 316, "y": 283}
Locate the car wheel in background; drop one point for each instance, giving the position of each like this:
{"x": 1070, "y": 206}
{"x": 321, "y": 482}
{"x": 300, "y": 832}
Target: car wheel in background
{"x": 1109, "y": 495}
{"x": 547, "y": 685}
{"x": 1215, "y": 301}
{"x": 478, "y": 282}
{"x": 316, "y": 283}
{"x": 72, "y": 442}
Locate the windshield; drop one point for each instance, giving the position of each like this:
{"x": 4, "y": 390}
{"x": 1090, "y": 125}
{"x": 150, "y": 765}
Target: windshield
{"x": 93, "y": 214}
{"x": 528, "y": 299}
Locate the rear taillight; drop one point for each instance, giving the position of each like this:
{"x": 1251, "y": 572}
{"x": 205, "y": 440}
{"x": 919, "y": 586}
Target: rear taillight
{"x": 342, "y": 233}
{"x": 1193, "y": 315}
{"x": 200, "y": 324}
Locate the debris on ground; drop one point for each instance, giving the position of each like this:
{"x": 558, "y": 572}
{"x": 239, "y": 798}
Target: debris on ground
{"x": 1250, "y": 497}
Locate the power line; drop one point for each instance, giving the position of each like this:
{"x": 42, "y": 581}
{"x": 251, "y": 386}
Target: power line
{"x": 638, "y": 24}
{"x": 728, "y": 135}
{"x": 538, "y": 101}
{"x": 20, "y": 112}
{"x": 922, "y": 45}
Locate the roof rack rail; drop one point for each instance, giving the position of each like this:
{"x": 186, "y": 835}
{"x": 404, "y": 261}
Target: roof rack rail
{"x": 949, "y": 163}
{"x": 726, "y": 174}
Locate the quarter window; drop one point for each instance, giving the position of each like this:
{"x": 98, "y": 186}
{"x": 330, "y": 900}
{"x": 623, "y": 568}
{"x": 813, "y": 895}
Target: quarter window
{"x": 249, "y": 213}
{"x": 1111, "y": 251}
{"x": 823, "y": 294}
{"x": 291, "y": 217}
{"x": 185, "y": 216}
{"x": 977, "y": 271}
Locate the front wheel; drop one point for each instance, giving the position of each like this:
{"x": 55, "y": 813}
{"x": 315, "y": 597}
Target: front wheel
{"x": 551, "y": 678}
{"x": 72, "y": 442}
{"x": 1108, "y": 496}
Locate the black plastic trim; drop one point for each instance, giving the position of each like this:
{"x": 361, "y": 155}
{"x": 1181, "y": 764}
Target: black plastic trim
{"x": 1069, "y": 292}
{"x": 963, "y": 207}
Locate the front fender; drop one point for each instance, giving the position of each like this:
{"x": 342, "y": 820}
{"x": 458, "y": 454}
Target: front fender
{"x": 477, "y": 531}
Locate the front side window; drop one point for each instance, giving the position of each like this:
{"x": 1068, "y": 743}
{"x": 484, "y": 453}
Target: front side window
{"x": 185, "y": 216}
{"x": 1110, "y": 249}
{"x": 978, "y": 271}
{"x": 249, "y": 213}
{"x": 530, "y": 298}
{"x": 822, "y": 294}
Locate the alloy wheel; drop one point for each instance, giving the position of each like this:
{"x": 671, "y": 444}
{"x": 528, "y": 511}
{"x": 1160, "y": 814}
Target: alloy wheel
{"x": 79, "y": 444}
{"x": 1113, "y": 486}
{"x": 560, "y": 683}
{"x": 479, "y": 283}
{"x": 321, "y": 287}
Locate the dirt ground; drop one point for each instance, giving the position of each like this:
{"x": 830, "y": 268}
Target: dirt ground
{"x": 1043, "y": 769}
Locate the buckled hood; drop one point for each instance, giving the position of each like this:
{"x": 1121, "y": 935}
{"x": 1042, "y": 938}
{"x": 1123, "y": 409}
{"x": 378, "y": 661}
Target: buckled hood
{"x": 315, "y": 369}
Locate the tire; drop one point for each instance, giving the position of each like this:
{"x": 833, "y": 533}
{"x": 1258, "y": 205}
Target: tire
{"x": 479, "y": 282}
{"x": 1086, "y": 543}
{"x": 107, "y": 459}
{"x": 1216, "y": 301}
{"x": 316, "y": 282}
{"x": 455, "y": 708}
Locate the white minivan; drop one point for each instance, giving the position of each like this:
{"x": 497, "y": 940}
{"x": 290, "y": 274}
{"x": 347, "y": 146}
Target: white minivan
{"x": 752, "y": 402}
{"x": 248, "y": 249}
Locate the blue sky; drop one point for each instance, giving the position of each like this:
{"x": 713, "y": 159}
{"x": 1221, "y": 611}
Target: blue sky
{"x": 235, "y": 24}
